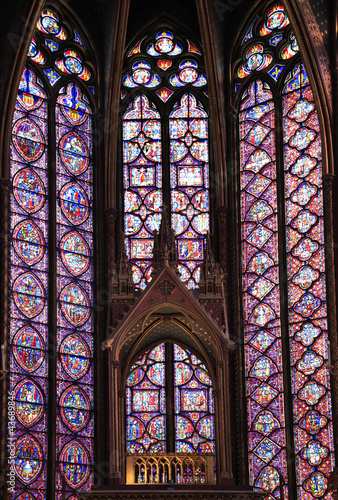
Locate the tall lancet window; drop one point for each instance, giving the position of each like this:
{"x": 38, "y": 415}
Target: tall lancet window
{"x": 52, "y": 264}
{"x": 282, "y": 233}
{"x": 165, "y": 151}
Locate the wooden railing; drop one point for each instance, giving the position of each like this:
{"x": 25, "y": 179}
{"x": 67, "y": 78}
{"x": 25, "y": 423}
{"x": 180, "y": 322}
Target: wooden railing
{"x": 173, "y": 467}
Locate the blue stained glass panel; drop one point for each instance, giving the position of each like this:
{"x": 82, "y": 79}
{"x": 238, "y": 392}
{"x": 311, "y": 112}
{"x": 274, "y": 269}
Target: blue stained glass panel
{"x": 189, "y": 182}
{"x": 142, "y": 157}
{"x": 75, "y": 291}
{"x": 261, "y": 294}
{"x": 146, "y": 406}
{"x": 312, "y": 407}
{"x": 29, "y": 285}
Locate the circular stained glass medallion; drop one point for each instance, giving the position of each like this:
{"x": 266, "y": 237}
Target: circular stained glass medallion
{"x": 74, "y": 464}
{"x": 33, "y": 49}
{"x": 28, "y": 348}
{"x": 75, "y": 408}
{"x": 50, "y": 23}
{"x": 74, "y": 153}
{"x": 275, "y": 19}
{"x": 75, "y": 304}
{"x": 29, "y": 294}
{"x": 75, "y": 253}
{"x": 28, "y": 242}
{"x": 28, "y": 458}
{"x": 164, "y": 45}
{"x": 73, "y": 62}
{"x": 75, "y": 356}
{"x": 74, "y": 203}
{"x": 28, "y": 139}
{"x": 254, "y": 62}
{"x": 141, "y": 76}
{"x": 29, "y": 190}
{"x": 29, "y": 403}
{"x": 188, "y": 75}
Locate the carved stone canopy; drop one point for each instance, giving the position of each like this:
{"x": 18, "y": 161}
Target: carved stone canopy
{"x": 166, "y": 292}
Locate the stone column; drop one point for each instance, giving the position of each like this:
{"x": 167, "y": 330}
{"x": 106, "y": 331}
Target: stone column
{"x": 111, "y": 215}
{"x": 114, "y": 423}
{"x": 4, "y": 327}
{"x": 328, "y": 183}
{"x": 222, "y": 216}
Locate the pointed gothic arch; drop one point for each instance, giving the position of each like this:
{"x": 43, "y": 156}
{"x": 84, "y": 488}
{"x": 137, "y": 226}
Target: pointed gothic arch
{"x": 51, "y": 219}
{"x": 167, "y": 312}
{"x": 265, "y": 71}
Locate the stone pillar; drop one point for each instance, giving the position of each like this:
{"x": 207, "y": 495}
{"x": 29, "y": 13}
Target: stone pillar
{"x": 115, "y": 423}
{"x": 222, "y": 216}
{"x": 111, "y": 215}
{"x": 4, "y": 328}
{"x": 328, "y": 183}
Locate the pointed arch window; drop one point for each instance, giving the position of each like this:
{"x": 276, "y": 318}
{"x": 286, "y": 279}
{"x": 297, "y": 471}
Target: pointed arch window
{"x": 282, "y": 233}
{"x": 165, "y": 151}
{"x": 52, "y": 263}
{"x": 163, "y": 378}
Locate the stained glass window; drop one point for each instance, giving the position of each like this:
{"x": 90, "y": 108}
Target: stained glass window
{"x": 182, "y": 183}
{"x": 52, "y": 210}
{"x": 307, "y": 313}
{"x": 169, "y": 376}
{"x": 283, "y": 235}
{"x": 74, "y": 288}
{"x": 29, "y": 278}
{"x": 194, "y": 404}
{"x": 261, "y": 291}
{"x": 142, "y": 156}
{"x": 146, "y": 405}
{"x": 189, "y": 182}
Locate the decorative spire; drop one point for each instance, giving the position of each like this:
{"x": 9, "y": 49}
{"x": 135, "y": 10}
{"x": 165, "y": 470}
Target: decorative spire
{"x": 211, "y": 274}
{"x": 164, "y": 252}
{"x": 125, "y": 269}
{"x": 122, "y": 282}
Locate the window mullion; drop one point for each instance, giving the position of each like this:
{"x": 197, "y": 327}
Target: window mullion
{"x": 52, "y": 341}
{"x": 283, "y": 283}
{"x": 170, "y": 397}
{"x": 166, "y": 184}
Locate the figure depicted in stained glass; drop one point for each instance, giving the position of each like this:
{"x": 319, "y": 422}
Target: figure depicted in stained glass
{"x": 29, "y": 190}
